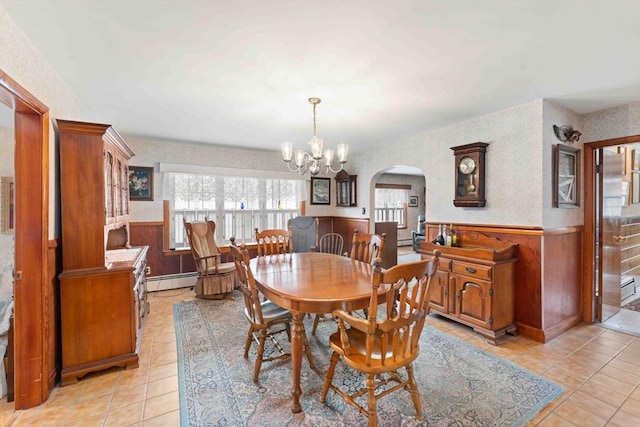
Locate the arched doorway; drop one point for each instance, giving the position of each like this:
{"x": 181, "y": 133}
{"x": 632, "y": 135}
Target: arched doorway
{"x": 398, "y": 194}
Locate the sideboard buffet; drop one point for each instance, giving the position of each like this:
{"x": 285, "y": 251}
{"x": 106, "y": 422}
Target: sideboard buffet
{"x": 475, "y": 284}
{"x": 103, "y": 299}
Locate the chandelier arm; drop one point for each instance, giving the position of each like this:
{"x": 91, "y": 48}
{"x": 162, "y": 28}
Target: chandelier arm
{"x": 299, "y": 169}
{"x": 329, "y": 168}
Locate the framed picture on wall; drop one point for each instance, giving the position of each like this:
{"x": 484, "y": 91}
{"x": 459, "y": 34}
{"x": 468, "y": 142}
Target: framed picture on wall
{"x": 320, "y": 191}
{"x": 566, "y": 183}
{"x": 413, "y": 201}
{"x": 140, "y": 183}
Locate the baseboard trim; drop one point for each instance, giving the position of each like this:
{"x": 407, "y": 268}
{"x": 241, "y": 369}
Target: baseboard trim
{"x": 171, "y": 281}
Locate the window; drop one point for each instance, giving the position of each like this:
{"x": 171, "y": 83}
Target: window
{"x": 237, "y": 204}
{"x": 391, "y": 203}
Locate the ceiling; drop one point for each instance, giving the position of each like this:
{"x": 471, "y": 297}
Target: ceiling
{"x": 240, "y": 72}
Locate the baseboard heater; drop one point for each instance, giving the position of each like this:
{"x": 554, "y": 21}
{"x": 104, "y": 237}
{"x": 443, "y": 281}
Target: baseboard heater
{"x": 171, "y": 281}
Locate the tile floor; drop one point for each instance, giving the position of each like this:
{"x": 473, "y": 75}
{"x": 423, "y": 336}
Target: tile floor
{"x": 599, "y": 369}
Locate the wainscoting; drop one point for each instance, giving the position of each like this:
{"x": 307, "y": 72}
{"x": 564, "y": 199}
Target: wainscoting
{"x": 548, "y": 301}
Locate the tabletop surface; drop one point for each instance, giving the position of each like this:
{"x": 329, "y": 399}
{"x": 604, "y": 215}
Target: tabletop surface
{"x": 313, "y": 282}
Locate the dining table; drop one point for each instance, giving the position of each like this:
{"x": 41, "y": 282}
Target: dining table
{"x": 311, "y": 282}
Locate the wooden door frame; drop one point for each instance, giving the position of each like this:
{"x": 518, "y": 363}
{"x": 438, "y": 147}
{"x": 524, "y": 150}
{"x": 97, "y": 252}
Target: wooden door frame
{"x": 589, "y": 253}
{"x": 31, "y": 164}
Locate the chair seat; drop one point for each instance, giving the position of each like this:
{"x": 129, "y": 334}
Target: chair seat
{"x": 223, "y": 267}
{"x": 358, "y": 351}
{"x": 272, "y": 312}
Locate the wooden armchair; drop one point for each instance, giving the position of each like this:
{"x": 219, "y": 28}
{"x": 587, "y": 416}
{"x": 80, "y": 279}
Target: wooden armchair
{"x": 215, "y": 278}
{"x": 388, "y": 339}
{"x": 367, "y": 247}
{"x": 266, "y": 319}
{"x": 304, "y": 233}
{"x": 273, "y": 242}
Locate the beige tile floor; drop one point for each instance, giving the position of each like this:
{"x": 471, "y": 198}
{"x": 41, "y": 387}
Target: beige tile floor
{"x": 599, "y": 369}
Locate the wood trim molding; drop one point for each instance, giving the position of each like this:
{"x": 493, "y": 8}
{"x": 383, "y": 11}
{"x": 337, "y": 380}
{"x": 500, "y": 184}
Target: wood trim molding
{"x": 502, "y": 229}
{"x": 590, "y": 150}
{"x": 33, "y": 323}
{"x": 394, "y": 186}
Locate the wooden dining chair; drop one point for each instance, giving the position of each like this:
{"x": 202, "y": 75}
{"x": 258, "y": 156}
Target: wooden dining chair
{"x": 273, "y": 242}
{"x": 330, "y": 243}
{"x": 388, "y": 339}
{"x": 215, "y": 278}
{"x": 367, "y": 247}
{"x": 266, "y": 319}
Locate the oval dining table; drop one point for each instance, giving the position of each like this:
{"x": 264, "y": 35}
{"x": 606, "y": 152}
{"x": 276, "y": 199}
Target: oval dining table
{"x": 311, "y": 282}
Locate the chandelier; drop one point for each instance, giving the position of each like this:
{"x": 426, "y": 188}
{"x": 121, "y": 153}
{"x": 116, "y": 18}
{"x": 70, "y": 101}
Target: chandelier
{"x": 317, "y": 161}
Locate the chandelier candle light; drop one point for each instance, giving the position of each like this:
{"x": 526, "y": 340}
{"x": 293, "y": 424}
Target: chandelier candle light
{"x": 316, "y": 161}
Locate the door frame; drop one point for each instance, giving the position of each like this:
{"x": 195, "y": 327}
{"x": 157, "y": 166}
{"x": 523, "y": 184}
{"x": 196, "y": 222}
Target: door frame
{"x": 589, "y": 253}
{"x": 31, "y": 233}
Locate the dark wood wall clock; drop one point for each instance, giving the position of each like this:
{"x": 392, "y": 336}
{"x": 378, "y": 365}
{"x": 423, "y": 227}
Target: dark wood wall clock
{"x": 470, "y": 175}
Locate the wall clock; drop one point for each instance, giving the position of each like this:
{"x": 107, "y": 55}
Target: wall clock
{"x": 469, "y": 175}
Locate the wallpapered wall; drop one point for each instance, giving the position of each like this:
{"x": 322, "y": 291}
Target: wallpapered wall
{"x": 519, "y": 164}
{"x": 27, "y": 66}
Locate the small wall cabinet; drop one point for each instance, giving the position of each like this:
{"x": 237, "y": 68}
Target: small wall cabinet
{"x": 346, "y": 189}
{"x": 475, "y": 284}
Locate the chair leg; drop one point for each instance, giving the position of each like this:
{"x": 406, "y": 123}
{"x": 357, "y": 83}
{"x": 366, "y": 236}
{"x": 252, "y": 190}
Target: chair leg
{"x": 371, "y": 400}
{"x": 247, "y": 344}
{"x": 316, "y": 320}
{"x": 287, "y": 328}
{"x": 256, "y": 369}
{"x": 329, "y": 377}
{"x": 415, "y": 394}
{"x": 307, "y": 352}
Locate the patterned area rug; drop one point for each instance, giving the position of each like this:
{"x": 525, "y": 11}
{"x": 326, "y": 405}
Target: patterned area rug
{"x": 633, "y": 305}
{"x": 459, "y": 384}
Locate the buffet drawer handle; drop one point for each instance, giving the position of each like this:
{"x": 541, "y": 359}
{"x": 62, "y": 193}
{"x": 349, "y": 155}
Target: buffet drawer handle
{"x": 470, "y": 270}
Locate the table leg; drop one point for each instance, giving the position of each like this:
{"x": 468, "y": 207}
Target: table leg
{"x": 296, "y": 359}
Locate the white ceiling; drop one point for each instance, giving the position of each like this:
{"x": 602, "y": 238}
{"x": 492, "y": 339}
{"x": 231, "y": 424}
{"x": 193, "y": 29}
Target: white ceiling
{"x": 240, "y": 72}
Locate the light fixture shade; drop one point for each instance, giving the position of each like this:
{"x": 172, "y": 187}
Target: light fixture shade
{"x": 343, "y": 151}
{"x": 287, "y": 151}
{"x": 316, "y": 147}
{"x": 300, "y": 158}
{"x": 328, "y": 156}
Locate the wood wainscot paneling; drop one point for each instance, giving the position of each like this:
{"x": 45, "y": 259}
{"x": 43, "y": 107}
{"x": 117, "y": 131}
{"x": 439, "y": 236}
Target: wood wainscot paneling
{"x": 547, "y": 303}
{"x": 346, "y": 226}
{"x": 562, "y": 279}
{"x": 161, "y": 262}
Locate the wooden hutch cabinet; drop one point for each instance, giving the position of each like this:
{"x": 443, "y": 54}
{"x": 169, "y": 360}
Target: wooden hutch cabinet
{"x": 475, "y": 284}
{"x": 102, "y": 286}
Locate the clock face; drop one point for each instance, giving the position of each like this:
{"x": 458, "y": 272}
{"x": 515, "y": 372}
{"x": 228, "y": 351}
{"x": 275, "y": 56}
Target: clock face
{"x": 467, "y": 165}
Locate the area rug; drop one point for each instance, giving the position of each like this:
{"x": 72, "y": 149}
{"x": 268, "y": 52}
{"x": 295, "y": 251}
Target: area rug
{"x": 460, "y": 385}
{"x": 633, "y": 305}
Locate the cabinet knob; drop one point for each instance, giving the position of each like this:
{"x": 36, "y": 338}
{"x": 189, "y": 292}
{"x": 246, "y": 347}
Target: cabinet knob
{"x": 470, "y": 270}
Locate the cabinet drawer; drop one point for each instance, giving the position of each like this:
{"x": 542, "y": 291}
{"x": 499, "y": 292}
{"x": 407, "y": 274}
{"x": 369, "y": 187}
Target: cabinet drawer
{"x": 443, "y": 263}
{"x": 471, "y": 270}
